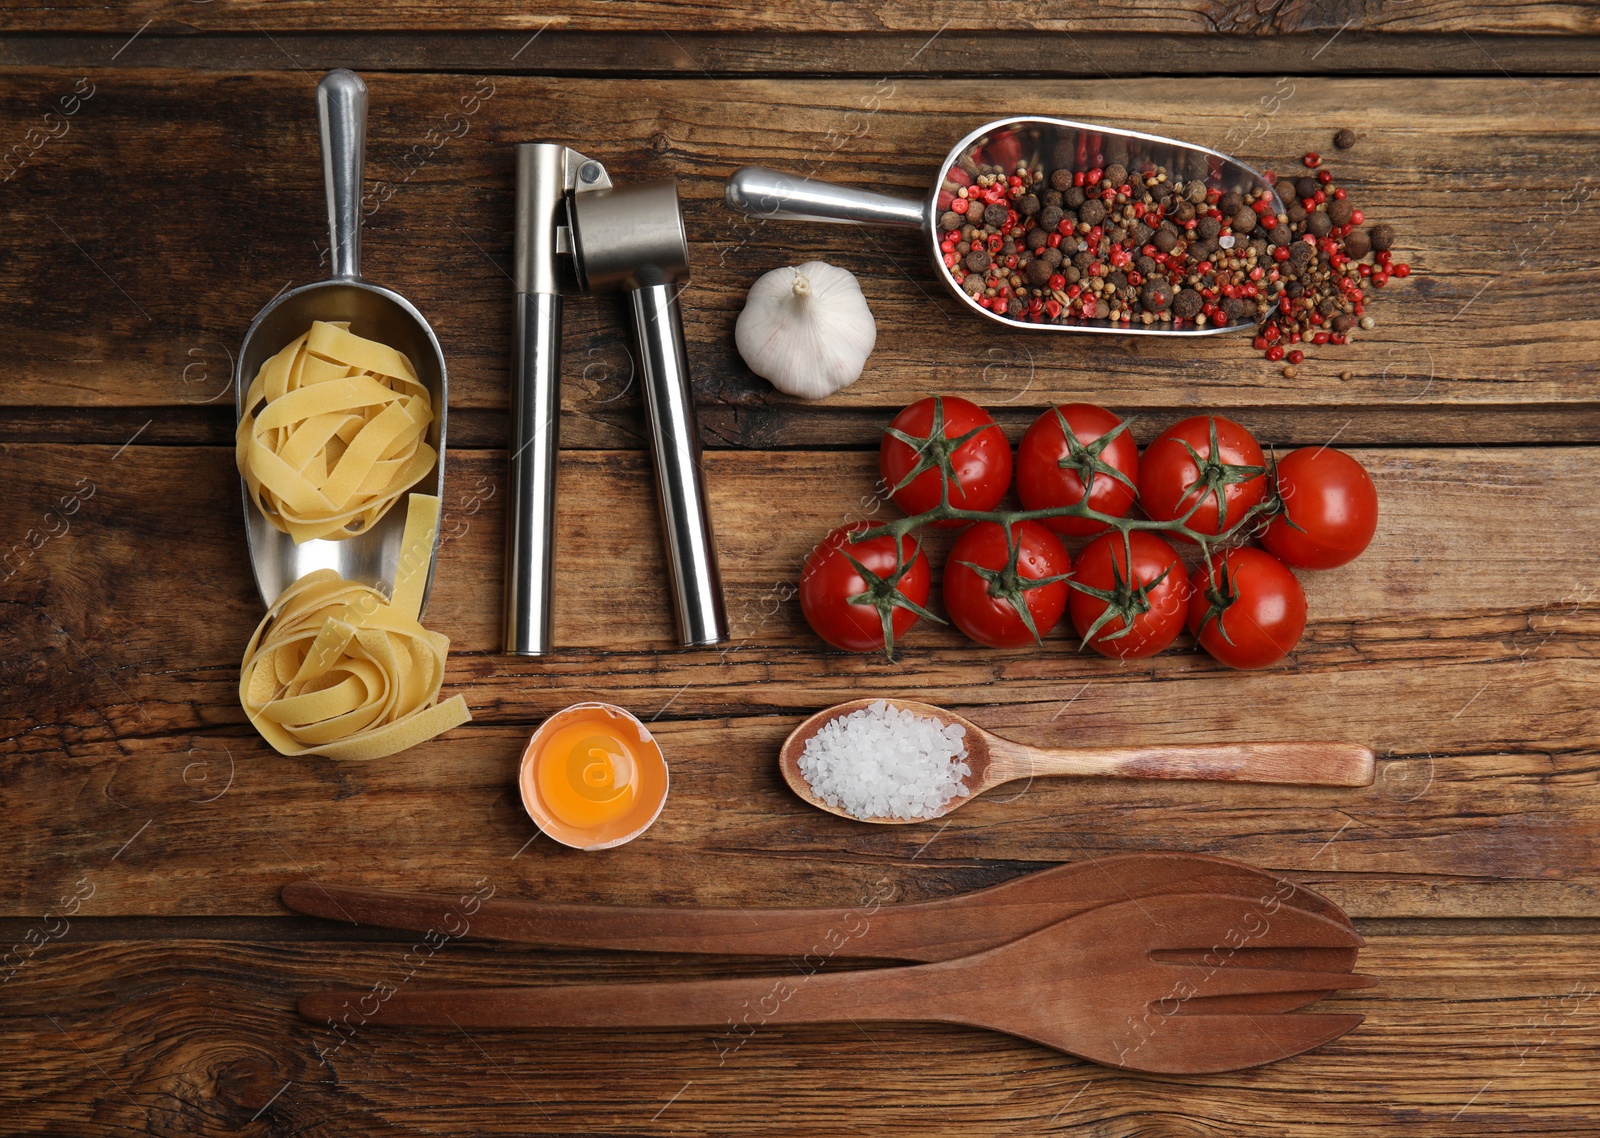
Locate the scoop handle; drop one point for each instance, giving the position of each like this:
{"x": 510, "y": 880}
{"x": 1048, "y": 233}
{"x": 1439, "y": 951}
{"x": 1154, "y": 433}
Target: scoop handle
{"x": 760, "y": 192}
{"x": 1288, "y": 764}
{"x": 342, "y": 117}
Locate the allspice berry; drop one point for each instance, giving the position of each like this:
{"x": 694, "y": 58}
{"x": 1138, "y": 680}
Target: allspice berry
{"x": 1195, "y": 191}
{"x": 1340, "y": 210}
{"x": 1382, "y": 237}
{"x": 1164, "y": 240}
{"x": 977, "y": 261}
{"x": 1092, "y": 212}
{"x": 1357, "y": 244}
{"x": 1027, "y": 205}
{"x": 1345, "y": 139}
{"x": 1244, "y": 221}
{"x": 1116, "y": 175}
{"x": 1037, "y": 273}
{"x": 1061, "y": 180}
{"x": 995, "y": 216}
{"x": 1208, "y": 228}
{"x": 950, "y": 220}
{"x": 1319, "y": 224}
{"x": 1073, "y": 196}
{"x": 1232, "y": 202}
{"x": 1187, "y": 304}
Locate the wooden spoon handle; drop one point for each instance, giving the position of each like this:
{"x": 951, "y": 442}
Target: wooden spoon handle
{"x": 737, "y": 1006}
{"x": 1298, "y": 764}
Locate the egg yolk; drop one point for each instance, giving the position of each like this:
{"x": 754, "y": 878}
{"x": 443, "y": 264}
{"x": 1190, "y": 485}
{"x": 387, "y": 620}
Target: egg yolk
{"x": 587, "y": 776}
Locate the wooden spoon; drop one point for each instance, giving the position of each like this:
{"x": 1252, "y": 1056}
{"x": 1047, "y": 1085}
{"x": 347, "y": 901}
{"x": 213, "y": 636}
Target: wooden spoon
{"x": 1146, "y": 985}
{"x": 994, "y": 760}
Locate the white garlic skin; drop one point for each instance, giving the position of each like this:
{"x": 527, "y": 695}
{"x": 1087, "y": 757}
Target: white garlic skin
{"x": 807, "y": 330}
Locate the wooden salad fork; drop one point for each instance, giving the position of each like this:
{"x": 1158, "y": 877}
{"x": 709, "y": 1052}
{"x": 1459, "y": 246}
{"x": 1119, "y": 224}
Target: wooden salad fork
{"x": 939, "y": 929}
{"x": 1150, "y": 984}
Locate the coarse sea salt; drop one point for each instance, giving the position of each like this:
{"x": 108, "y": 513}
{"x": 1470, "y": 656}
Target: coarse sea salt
{"x": 885, "y": 762}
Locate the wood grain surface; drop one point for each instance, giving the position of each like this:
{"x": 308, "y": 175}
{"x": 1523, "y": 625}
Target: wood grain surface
{"x": 152, "y": 976}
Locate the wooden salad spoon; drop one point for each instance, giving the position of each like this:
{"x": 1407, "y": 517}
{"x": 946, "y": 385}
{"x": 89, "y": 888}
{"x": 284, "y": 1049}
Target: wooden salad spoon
{"x": 995, "y": 760}
{"x": 1145, "y": 985}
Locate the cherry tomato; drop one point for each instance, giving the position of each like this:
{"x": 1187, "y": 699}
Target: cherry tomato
{"x": 845, "y": 603}
{"x": 1225, "y": 457}
{"x": 1333, "y": 505}
{"x": 1053, "y": 468}
{"x": 985, "y": 600}
{"x": 1246, "y": 608}
{"x": 950, "y": 433}
{"x": 1150, "y": 602}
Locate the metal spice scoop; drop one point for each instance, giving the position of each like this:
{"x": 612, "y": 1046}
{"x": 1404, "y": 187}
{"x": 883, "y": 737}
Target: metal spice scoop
{"x": 575, "y": 229}
{"x": 1046, "y": 143}
{"x": 375, "y": 313}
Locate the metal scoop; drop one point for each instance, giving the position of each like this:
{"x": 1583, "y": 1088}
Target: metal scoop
{"x": 375, "y": 313}
{"x": 1047, "y": 144}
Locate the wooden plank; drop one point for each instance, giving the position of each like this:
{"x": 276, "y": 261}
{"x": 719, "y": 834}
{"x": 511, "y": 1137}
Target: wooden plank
{"x": 995, "y": 50}
{"x": 1482, "y": 701}
{"x": 1490, "y": 318}
{"x": 1465, "y": 1035}
{"x": 1227, "y": 16}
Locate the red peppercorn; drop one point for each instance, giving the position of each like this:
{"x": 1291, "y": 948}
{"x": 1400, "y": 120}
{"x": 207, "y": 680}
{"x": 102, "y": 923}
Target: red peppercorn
{"x": 1269, "y": 221}
{"x": 950, "y": 257}
{"x": 1280, "y": 253}
{"x": 1384, "y": 257}
{"x": 1320, "y": 338}
{"x": 1275, "y": 353}
{"x": 1272, "y": 333}
{"x": 1379, "y": 279}
{"x": 1357, "y": 217}
{"x": 1014, "y": 180}
{"x": 1324, "y": 176}
{"x": 1213, "y": 196}
{"x": 960, "y": 205}
{"x": 1057, "y": 282}
{"x": 1054, "y": 240}
{"x": 1312, "y": 161}
{"x": 1366, "y": 270}
{"x": 1319, "y": 197}
{"x": 1203, "y": 268}
{"x": 1297, "y": 357}
{"x": 1339, "y": 193}
{"x": 1259, "y": 343}
{"x": 1135, "y": 278}
{"x": 1075, "y": 291}
{"x": 1337, "y": 338}
{"x": 1053, "y": 307}
{"x": 1094, "y": 176}
{"x": 1402, "y": 271}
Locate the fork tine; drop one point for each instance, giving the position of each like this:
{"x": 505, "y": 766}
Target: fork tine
{"x": 1218, "y": 926}
{"x": 1236, "y": 981}
{"x": 1204, "y": 1045}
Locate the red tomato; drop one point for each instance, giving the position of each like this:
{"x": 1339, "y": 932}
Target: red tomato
{"x": 986, "y": 600}
{"x": 952, "y": 434}
{"x": 1149, "y": 602}
{"x": 1053, "y": 467}
{"x": 846, "y": 604}
{"x": 1246, "y": 608}
{"x": 1186, "y": 467}
{"x": 1333, "y": 505}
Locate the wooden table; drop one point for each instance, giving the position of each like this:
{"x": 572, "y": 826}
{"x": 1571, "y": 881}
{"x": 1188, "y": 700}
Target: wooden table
{"x": 148, "y": 830}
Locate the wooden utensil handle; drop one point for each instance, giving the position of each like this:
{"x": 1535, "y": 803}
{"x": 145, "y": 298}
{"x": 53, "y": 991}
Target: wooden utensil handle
{"x": 1298, "y": 764}
{"x": 737, "y": 1006}
{"x": 871, "y": 929}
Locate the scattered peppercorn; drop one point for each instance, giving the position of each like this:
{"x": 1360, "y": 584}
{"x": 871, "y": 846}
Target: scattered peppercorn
{"x": 1382, "y": 237}
{"x": 1345, "y": 139}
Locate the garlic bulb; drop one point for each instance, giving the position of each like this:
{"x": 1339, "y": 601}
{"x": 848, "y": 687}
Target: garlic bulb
{"x": 808, "y": 330}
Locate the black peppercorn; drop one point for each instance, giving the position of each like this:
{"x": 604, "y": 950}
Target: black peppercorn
{"x": 1345, "y": 139}
{"x": 1050, "y": 217}
{"x": 1301, "y": 254}
{"x": 1016, "y": 308}
{"x": 1092, "y": 212}
{"x": 1052, "y": 197}
{"x": 1141, "y": 233}
{"x": 1036, "y": 238}
{"x": 1232, "y": 202}
{"x": 1061, "y": 180}
{"x": 1157, "y": 294}
{"x": 1074, "y": 197}
{"x": 1147, "y": 266}
{"x": 1234, "y": 307}
{"x": 1343, "y": 322}
{"x": 1117, "y": 234}
{"x": 1187, "y": 303}
{"x": 1382, "y": 237}
{"x": 994, "y": 216}
{"x": 1028, "y": 205}
{"x": 1306, "y": 187}
{"x": 1165, "y": 239}
{"x": 1118, "y": 279}
{"x": 1208, "y": 227}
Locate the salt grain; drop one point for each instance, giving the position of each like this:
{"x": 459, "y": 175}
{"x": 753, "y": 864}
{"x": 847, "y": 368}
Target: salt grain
{"x": 885, "y": 762}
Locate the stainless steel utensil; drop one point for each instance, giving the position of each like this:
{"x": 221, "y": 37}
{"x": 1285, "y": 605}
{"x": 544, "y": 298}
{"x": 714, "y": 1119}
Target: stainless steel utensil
{"x": 575, "y": 229}
{"x": 1044, "y": 142}
{"x": 376, "y": 313}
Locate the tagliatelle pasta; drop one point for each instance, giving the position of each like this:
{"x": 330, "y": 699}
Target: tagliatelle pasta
{"x": 336, "y": 670}
{"x": 334, "y": 433}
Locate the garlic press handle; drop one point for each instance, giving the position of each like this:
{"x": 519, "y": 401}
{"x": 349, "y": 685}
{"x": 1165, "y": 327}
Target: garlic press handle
{"x": 760, "y": 192}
